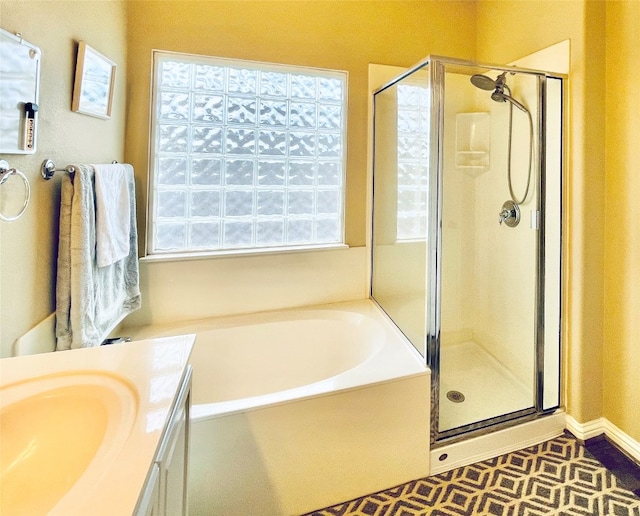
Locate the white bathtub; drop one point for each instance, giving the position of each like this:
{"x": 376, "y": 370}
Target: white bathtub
{"x": 299, "y": 409}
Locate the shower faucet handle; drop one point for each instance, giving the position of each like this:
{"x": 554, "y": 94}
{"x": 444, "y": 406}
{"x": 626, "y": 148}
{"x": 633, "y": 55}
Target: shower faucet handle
{"x": 510, "y": 214}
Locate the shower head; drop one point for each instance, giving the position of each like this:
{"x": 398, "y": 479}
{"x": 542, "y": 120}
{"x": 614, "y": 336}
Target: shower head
{"x": 483, "y": 82}
{"x": 498, "y": 86}
{"x": 487, "y": 83}
{"x": 500, "y": 96}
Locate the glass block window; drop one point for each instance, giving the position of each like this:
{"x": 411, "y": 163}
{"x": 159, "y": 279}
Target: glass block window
{"x": 245, "y": 155}
{"x": 412, "y": 161}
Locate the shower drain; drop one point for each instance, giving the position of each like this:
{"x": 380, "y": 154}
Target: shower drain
{"x": 455, "y": 396}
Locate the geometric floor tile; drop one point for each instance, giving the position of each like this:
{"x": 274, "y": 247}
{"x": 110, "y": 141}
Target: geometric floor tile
{"x": 557, "y": 477}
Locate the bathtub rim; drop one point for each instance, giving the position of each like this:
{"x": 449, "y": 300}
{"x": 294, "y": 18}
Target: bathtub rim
{"x": 206, "y": 411}
{"x": 413, "y": 365}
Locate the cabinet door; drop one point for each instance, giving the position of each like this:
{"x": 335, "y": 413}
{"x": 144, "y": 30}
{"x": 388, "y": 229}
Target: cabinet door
{"x": 173, "y": 454}
{"x": 149, "y": 504}
{"x": 173, "y": 467}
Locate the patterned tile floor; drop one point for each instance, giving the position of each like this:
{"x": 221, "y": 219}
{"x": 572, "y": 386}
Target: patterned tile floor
{"x": 557, "y": 477}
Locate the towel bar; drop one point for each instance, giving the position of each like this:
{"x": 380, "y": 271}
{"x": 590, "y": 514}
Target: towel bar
{"x": 48, "y": 169}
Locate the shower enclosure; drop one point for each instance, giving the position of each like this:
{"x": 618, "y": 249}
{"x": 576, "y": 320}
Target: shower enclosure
{"x": 466, "y": 237}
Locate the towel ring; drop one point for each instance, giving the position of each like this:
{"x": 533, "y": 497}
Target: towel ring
{"x": 5, "y": 174}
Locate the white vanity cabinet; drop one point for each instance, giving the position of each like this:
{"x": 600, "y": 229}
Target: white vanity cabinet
{"x": 165, "y": 491}
{"x": 149, "y": 503}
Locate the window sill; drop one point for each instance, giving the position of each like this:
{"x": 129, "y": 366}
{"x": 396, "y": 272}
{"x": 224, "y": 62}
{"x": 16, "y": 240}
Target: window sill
{"x": 238, "y": 253}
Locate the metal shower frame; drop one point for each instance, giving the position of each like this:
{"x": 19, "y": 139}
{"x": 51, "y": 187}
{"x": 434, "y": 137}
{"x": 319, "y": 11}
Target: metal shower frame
{"x": 431, "y": 350}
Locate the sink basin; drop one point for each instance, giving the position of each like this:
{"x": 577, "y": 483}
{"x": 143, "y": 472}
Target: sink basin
{"x": 56, "y": 431}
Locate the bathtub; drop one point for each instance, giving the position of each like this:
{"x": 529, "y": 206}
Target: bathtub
{"x": 300, "y": 409}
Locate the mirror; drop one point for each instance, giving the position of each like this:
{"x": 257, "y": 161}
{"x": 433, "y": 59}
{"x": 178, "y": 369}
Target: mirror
{"x": 19, "y": 91}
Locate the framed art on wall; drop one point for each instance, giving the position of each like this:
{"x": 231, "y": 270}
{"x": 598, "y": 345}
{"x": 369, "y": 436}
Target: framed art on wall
{"x": 94, "y": 83}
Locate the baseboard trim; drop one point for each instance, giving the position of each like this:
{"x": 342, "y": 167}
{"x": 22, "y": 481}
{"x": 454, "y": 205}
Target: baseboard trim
{"x": 624, "y": 441}
{"x": 601, "y": 426}
{"x": 584, "y": 431}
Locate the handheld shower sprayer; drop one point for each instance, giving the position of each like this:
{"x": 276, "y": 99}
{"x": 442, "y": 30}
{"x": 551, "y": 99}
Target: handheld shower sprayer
{"x": 499, "y": 96}
{"x": 499, "y": 85}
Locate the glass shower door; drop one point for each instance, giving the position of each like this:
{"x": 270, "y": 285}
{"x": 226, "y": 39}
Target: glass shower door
{"x": 489, "y": 236}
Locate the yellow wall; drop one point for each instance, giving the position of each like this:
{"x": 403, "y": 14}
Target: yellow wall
{"x": 622, "y": 219}
{"x": 344, "y": 35}
{"x": 334, "y": 34}
{"x": 508, "y": 30}
{"x": 28, "y": 246}
{"x": 602, "y": 249}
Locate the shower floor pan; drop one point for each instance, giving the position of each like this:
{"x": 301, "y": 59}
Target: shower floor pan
{"x": 488, "y": 387}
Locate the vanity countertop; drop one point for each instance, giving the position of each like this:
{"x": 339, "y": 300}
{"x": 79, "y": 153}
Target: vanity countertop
{"x": 115, "y": 402}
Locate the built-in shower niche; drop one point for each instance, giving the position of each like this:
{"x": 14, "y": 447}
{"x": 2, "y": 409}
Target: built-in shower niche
{"x": 473, "y": 143}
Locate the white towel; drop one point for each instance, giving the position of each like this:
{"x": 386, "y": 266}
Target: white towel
{"x": 90, "y": 300}
{"x": 112, "y": 212}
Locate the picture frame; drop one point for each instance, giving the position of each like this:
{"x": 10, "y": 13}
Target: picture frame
{"x": 94, "y": 83}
